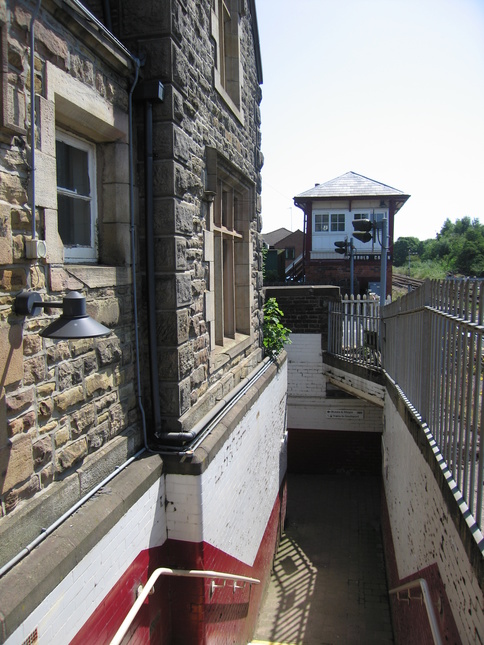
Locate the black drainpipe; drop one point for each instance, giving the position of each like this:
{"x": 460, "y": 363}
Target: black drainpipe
{"x": 151, "y": 92}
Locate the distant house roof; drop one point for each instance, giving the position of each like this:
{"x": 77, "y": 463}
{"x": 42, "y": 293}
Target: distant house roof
{"x": 351, "y": 184}
{"x": 275, "y": 236}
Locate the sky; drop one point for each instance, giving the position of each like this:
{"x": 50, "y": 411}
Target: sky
{"x": 390, "y": 89}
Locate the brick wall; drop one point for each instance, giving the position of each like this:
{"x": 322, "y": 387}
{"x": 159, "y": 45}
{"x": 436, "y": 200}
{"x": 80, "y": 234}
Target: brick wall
{"x": 425, "y": 532}
{"x": 305, "y": 308}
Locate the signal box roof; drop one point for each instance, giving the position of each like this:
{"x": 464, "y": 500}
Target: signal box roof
{"x": 352, "y": 185}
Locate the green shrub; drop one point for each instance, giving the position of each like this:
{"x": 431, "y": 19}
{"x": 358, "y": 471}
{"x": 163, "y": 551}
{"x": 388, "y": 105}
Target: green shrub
{"x": 275, "y": 334}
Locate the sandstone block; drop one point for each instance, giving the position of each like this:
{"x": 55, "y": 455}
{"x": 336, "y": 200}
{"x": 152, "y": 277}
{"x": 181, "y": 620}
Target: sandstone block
{"x": 109, "y": 351}
{"x": 71, "y": 454}
{"x": 13, "y": 279}
{"x": 58, "y": 351}
{"x": 60, "y": 280}
{"x": 82, "y": 419}
{"x": 16, "y": 463}
{"x": 98, "y": 382}
{"x": 61, "y": 437}
{"x": 21, "y": 424}
{"x": 69, "y": 398}
{"x": 49, "y": 427}
{"x": 32, "y": 344}
{"x": 116, "y": 163}
{"x": 6, "y": 251}
{"x": 183, "y": 290}
{"x": 105, "y": 402}
{"x": 45, "y": 389}
{"x": 97, "y": 436}
{"x": 45, "y": 181}
{"x": 20, "y": 400}
{"x": 55, "y": 247}
{"x": 115, "y": 243}
{"x": 45, "y": 408}
{"x": 81, "y": 346}
{"x": 42, "y": 451}
{"x": 104, "y": 311}
{"x": 47, "y": 475}
{"x": 25, "y": 491}
{"x": 118, "y": 420}
{"x": 34, "y": 370}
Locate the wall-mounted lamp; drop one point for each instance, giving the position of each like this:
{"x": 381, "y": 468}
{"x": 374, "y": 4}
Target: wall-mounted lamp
{"x": 73, "y": 322}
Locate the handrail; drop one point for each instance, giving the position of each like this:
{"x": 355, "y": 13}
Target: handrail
{"x": 165, "y": 571}
{"x": 422, "y": 583}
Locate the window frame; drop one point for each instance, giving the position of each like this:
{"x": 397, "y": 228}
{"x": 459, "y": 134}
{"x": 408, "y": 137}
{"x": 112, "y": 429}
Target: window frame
{"x": 331, "y": 221}
{"x": 82, "y": 253}
{"x": 228, "y": 250}
{"x": 225, "y": 31}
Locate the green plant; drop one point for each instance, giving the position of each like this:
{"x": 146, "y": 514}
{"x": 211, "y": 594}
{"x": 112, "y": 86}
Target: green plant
{"x": 275, "y": 334}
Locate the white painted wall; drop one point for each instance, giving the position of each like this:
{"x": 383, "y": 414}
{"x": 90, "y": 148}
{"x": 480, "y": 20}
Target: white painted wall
{"x": 423, "y": 532}
{"x": 308, "y": 406}
{"x": 229, "y": 505}
{"x": 62, "y": 614}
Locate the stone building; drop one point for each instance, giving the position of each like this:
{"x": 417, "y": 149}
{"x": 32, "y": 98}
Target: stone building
{"x": 144, "y": 179}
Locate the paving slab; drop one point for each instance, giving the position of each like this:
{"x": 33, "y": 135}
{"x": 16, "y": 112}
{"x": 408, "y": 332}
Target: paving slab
{"x": 329, "y": 584}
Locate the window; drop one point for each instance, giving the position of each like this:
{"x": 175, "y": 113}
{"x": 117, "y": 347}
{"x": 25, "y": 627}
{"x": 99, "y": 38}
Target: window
{"x": 321, "y": 222}
{"x": 290, "y": 253}
{"x": 337, "y": 222}
{"x": 325, "y": 222}
{"x": 225, "y": 31}
{"x": 76, "y": 197}
{"x": 229, "y": 252}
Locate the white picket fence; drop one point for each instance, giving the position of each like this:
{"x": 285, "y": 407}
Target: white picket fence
{"x": 354, "y": 330}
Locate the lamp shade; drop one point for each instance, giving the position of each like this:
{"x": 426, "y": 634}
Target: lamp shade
{"x": 74, "y": 321}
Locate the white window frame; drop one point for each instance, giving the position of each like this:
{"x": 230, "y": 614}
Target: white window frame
{"x": 330, "y": 221}
{"x": 80, "y": 253}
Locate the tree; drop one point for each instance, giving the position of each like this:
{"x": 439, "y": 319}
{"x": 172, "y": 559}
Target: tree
{"x": 402, "y": 247}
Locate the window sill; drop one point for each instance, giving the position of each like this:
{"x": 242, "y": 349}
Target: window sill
{"x": 232, "y": 348}
{"x": 95, "y": 275}
{"x": 228, "y": 100}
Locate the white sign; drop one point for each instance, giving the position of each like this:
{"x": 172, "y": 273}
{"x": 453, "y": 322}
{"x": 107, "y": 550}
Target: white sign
{"x": 345, "y": 414}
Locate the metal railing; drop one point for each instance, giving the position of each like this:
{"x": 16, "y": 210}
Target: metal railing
{"x": 432, "y": 348}
{"x": 425, "y": 598}
{"x": 144, "y": 592}
{"x": 354, "y": 330}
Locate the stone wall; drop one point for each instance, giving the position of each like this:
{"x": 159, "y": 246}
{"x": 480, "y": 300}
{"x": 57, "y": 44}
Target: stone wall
{"x": 176, "y": 41}
{"x": 60, "y": 402}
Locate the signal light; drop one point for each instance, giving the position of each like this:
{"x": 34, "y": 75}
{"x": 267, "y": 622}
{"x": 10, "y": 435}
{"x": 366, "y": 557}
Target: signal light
{"x": 341, "y": 247}
{"x": 362, "y": 228}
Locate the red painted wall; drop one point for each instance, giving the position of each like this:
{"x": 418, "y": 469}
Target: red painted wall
{"x": 183, "y": 611}
{"x": 410, "y": 621}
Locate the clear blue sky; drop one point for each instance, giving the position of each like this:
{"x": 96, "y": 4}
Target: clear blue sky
{"x": 390, "y": 89}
